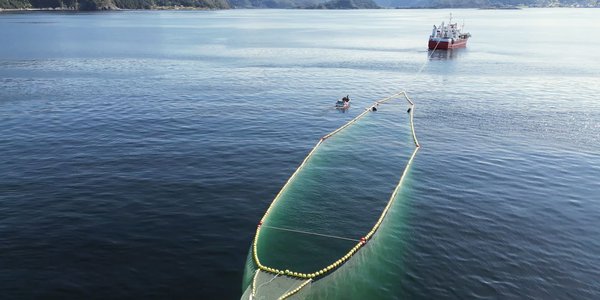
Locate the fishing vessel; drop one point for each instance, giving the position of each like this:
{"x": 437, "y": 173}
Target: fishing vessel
{"x": 448, "y": 36}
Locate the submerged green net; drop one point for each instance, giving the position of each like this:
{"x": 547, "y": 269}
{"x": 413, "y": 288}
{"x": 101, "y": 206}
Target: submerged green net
{"x": 334, "y": 202}
{"x": 268, "y": 286}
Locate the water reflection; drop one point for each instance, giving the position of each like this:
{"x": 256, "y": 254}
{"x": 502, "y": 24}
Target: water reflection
{"x": 446, "y": 54}
{"x": 343, "y": 109}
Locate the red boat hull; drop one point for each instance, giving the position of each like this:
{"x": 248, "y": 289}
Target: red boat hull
{"x": 460, "y": 43}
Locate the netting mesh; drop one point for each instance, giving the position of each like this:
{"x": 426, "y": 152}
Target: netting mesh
{"x": 267, "y": 286}
{"x": 283, "y": 233}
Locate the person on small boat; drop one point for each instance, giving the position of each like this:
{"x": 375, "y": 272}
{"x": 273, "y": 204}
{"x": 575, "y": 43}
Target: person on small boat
{"x": 345, "y": 102}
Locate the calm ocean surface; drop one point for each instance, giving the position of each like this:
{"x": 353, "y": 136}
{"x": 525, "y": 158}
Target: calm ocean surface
{"x": 138, "y": 150}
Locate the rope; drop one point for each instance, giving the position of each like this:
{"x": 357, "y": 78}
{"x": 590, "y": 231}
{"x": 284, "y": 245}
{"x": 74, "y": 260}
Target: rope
{"x": 264, "y": 283}
{"x": 425, "y": 63}
{"x": 289, "y": 294}
{"x": 254, "y": 284}
{"x": 312, "y": 233}
{"x": 412, "y": 123}
{"x": 428, "y": 58}
{"x": 363, "y": 240}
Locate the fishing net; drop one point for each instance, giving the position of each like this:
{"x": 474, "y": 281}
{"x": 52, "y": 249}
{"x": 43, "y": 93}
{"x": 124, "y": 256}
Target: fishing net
{"x": 334, "y": 202}
{"x": 268, "y": 286}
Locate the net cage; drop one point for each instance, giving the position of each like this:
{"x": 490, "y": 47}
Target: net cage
{"x": 334, "y": 202}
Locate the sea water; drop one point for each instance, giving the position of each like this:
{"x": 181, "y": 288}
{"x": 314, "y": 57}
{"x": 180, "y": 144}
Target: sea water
{"x": 139, "y": 149}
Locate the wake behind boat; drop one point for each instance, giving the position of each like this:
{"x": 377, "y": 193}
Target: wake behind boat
{"x": 448, "y": 36}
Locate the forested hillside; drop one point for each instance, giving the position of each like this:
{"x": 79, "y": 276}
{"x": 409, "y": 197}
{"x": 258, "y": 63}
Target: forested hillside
{"x": 484, "y": 3}
{"x": 315, "y": 4}
{"x": 113, "y": 4}
{"x": 346, "y": 4}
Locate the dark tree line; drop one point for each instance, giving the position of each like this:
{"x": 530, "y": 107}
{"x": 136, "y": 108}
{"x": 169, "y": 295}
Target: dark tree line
{"x": 112, "y": 4}
{"x": 316, "y": 4}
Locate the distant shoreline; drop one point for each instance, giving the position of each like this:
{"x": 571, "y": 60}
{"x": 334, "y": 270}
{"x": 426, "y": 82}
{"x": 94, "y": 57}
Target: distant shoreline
{"x": 49, "y": 9}
{"x": 185, "y": 8}
{"x": 35, "y": 9}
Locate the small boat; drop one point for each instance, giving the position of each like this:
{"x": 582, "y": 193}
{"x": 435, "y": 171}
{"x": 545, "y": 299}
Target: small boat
{"x": 343, "y": 103}
{"x": 448, "y": 36}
